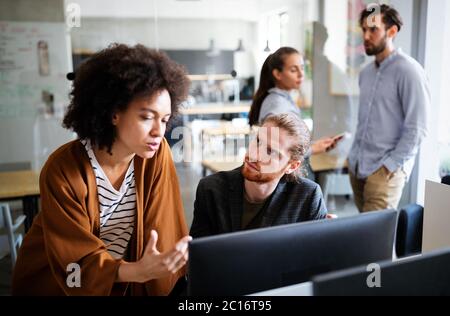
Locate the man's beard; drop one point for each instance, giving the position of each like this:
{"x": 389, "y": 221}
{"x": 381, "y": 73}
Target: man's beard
{"x": 377, "y": 49}
{"x": 259, "y": 177}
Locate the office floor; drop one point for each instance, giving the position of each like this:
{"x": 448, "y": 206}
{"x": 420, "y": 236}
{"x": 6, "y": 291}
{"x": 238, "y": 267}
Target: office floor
{"x": 189, "y": 177}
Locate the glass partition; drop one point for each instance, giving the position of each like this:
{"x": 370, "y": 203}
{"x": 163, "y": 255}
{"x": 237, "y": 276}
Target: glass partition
{"x": 223, "y": 44}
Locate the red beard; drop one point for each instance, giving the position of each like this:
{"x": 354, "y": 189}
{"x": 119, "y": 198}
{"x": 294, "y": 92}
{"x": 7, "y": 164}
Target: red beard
{"x": 257, "y": 176}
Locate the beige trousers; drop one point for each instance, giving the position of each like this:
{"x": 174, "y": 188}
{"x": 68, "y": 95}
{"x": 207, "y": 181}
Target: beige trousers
{"x": 379, "y": 191}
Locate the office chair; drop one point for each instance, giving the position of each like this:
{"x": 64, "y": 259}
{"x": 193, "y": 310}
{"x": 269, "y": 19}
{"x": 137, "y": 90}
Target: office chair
{"x": 446, "y": 180}
{"x": 14, "y": 239}
{"x": 409, "y": 231}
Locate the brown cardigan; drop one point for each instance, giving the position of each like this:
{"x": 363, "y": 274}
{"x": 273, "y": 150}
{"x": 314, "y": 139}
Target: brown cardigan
{"x": 67, "y": 229}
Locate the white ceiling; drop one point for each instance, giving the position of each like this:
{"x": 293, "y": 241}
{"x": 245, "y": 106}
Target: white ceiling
{"x": 249, "y": 10}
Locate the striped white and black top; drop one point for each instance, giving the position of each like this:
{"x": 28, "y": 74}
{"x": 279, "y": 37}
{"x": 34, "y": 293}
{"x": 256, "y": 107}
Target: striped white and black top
{"x": 117, "y": 208}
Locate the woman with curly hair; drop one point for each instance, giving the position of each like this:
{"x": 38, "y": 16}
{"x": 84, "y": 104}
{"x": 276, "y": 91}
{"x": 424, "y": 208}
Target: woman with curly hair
{"x": 112, "y": 221}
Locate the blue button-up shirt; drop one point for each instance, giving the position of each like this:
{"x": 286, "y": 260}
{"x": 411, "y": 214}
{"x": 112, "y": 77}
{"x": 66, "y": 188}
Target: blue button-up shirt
{"x": 392, "y": 121}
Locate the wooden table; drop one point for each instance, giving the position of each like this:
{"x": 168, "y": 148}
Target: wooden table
{"x": 226, "y": 129}
{"x": 215, "y": 108}
{"x": 322, "y": 165}
{"x": 326, "y": 162}
{"x": 217, "y": 166}
{"x": 228, "y": 134}
{"x": 319, "y": 163}
{"x": 21, "y": 185}
{"x": 207, "y": 109}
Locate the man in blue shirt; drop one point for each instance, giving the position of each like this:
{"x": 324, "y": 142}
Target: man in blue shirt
{"x": 392, "y": 121}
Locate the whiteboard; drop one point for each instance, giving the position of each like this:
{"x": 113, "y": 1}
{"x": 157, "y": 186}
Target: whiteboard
{"x": 26, "y": 72}
{"x": 27, "y": 130}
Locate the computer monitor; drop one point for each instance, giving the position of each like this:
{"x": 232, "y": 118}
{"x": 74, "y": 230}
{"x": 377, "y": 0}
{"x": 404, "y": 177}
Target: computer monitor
{"x": 420, "y": 275}
{"x": 258, "y": 260}
{"x": 436, "y": 217}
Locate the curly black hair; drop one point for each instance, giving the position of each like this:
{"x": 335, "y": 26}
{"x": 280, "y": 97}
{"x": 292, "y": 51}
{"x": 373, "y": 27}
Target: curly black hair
{"x": 111, "y": 79}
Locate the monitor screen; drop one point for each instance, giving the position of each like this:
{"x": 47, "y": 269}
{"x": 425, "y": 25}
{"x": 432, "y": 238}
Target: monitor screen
{"x": 258, "y": 260}
{"x": 419, "y": 275}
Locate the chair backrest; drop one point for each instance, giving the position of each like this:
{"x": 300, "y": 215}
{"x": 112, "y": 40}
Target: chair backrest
{"x": 11, "y": 227}
{"x": 409, "y": 231}
{"x": 446, "y": 180}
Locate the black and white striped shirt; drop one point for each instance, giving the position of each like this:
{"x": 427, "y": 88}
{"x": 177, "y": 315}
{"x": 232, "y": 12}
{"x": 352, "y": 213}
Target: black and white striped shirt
{"x": 117, "y": 208}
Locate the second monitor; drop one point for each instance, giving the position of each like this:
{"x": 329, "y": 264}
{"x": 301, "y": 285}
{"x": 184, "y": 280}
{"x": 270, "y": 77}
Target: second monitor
{"x": 419, "y": 275}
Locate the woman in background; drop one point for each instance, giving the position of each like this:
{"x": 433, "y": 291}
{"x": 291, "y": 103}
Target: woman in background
{"x": 112, "y": 220}
{"x": 281, "y": 73}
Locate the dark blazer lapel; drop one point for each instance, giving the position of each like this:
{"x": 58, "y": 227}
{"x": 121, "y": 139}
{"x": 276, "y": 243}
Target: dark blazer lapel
{"x": 272, "y": 211}
{"x": 236, "y": 201}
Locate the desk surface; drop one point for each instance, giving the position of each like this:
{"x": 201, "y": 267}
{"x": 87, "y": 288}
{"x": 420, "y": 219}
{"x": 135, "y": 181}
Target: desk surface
{"x": 319, "y": 163}
{"x": 327, "y": 162}
{"x": 18, "y": 184}
{"x": 227, "y": 165}
{"x": 216, "y": 108}
{"x": 227, "y": 129}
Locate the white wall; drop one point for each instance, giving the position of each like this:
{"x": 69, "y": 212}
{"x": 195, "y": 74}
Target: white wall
{"x": 444, "y": 112}
{"x": 204, "y": 9}
{"x": 248, "y": 10}
{"x": 335, "y": 18}
{"x": 404, "y": 38}
{"x": 301, "y": 15}
{"x": 435, "y": 56}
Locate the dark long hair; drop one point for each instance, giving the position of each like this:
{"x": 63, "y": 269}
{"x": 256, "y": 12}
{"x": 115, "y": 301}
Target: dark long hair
{"x": 267, "y": 81}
